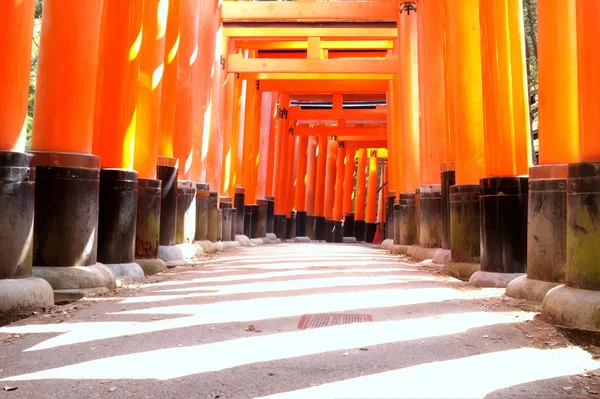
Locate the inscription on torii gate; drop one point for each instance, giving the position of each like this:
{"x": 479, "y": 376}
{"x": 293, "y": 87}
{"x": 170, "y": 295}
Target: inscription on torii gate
{"x": 408, "y": 6}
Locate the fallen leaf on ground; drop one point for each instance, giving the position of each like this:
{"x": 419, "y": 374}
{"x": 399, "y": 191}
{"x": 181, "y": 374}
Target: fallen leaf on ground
{"x": 363, "y": 349}
{"x": 485, "y": 336}
{"x": 551, "y": 343}
{"x": 112, "y": 389}
{"x": 345, "y": 354}
{"x": 249, "y": 328}
{"x": 528, "y": 336}
{"x": 567, "y": 388}
{"x": 7, "y": 388}
{"x": 215, "y": 395}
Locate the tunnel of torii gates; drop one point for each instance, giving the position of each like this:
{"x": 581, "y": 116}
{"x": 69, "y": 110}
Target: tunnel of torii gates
{"x": 162, "y": 127}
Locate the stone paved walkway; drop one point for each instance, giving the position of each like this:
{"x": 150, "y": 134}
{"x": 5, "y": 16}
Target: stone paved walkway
{"x": 229, "y": 328}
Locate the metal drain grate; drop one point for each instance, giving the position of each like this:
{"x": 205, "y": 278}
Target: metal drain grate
{"x": 326, "y": 320}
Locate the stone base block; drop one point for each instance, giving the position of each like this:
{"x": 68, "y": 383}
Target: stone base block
{"x": 483, "y": 279}
{"x": 208, "y": 247}
{"x": 461, "y": 270}
{"x": 77, "y": 277}
{"x": 386, "y": 244}
{"x": 257, "y": 241}
{"x": 271, "y": 236}
{"x": 442, "y": 256}
{"x": 177, "y": 252}
{"x": 230, "y": 244}
{"x": 573, "y": 308}
{"x": 25, "y": 293}
{"x": 399, "y": 249}
{"x": 132, "y": 270}
{"x": 302, "y": 239}
{"x": 526, "y": 288}
{"x": 243, "y": 240}
{"x": 350, "y": 240}
{"x": 65, "y": 296}
{"x": 151, "y": 266}
{"x": 420, "y": 254}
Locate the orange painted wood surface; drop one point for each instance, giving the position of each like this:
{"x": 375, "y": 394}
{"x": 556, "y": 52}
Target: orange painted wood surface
{"x": 116, "y": 88}
{"x": 349, "y": 166}
{"x": 280, "y": 153}
{"x": 588, "y": 27}
{"x": 301, "y": 169}
{"x": 311, "y": 175}
{"x": 270, "y": 177}
{"x": 371, "y": 208}
{"x": 321, "y": 174}
{"x": 149, "y": 89}
{"x": 169, "y": 89}
{"x": 394, "y": 135}
{"x": 330, "y": 179}
{"x": 66, "y": 80}
{"x": 361, "y": 181}
{"x": 432, "y": 94}
{"x": 16, "y": 19}
{"x": 557, "y": 79}
{"x": 409, "y": 101}
{"x": 339, "y": 182}
{"x": 466, "y": 89}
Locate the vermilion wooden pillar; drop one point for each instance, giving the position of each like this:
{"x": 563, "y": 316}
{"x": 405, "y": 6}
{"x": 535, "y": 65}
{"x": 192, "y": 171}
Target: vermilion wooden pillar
{"x": 371, "y": 209}
{"x": 311, "y": 182}
{"x": 300, "y": 189}
{"x": 503, "y": 204}
{"x": 409, "y": 119}
{"x": 167, "y": 169}
{"x": 329, "y": 195}
{"x": 348, "y": 214}
{"x": 559, "y": 113}
{"x": 114, "y": 134}
{"x": 361, "y": 182}
{"x": 432, "y": 122}
{"x": 149, "y": 91}
{"x": 282, "y": 138}
{"x": 67, "y": 175}
{"x": 320, "y": 187}
{"x": 339, "y": 182}
{"x": 466, "y": 121}
{"x": 250, "y": 126}
{"x": 16, "y": 179}
{"x": 568, "y": 306}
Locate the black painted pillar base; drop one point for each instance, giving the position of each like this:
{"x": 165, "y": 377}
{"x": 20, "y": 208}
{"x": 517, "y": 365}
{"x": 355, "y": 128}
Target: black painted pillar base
{"x": 263, "y": 210}
{"x": 448, "y": 179}
{"x": 300, "y": 224}
{"x": 248, "y": 221}
{"x": 547, "y": 223}
{"x": 117, "y": 216}
{"x": 503, "y": 213}
{"x": 227, "y": 227}
{"x": 16, "y": 218}
{"x": 338, "y": 231}
{"x": 202, "y": 192}
{"x": 219, "y": 224}
{"x": 389, "y": 219}
{"x": 280, "y": 225}
{"x": 583, "y": 225}
{"x": 417, "y": 215}
{"x": 371, "y": 229}
{"x": 213, "y": 231}
{"x": 66, "y": 209}
{"x": 396, "y": 226}
{"x": 349, "y": 225}
{"x": 359, "y": 230}
{"x": 167, "y": 174}
{"x": 430, "y": 216}
{"x": 328, "y": 230}
{"x": 310, "y": 227}
{"x": 270, "y": 214}
{"x": 320, "y": 228}
{"x": 148, "y": 219}
{"x": 288, "y": 228}
{"x": 254, "y": 224}
{"x": 294, "y": 217}
{"x": 408, "y": 219}
{"x": 464, "y": 223}
{"x": 233, "y": 223}
{"x": 238, "y": 203}
{"x": 185, "y": 230}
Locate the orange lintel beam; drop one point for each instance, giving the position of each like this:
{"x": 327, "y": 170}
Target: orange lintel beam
{"x": 325, "y": 86}
{"x": 275, "y": 44}
{"x": 304, "y": 130}
{"x": 331, "y": 55}
{"x": 326, "y": 114}
{"x": 238, "y": 64}
{"x": 287, "y": 32}
{"x": 308, "y": 12}
{"x": 369, "y": 144}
